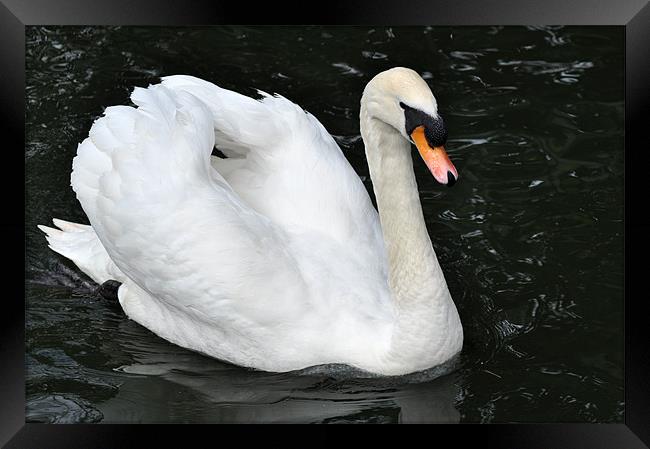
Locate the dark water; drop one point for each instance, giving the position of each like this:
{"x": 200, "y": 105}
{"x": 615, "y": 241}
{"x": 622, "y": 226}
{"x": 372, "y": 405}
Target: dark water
{"x": 530, "y": 238}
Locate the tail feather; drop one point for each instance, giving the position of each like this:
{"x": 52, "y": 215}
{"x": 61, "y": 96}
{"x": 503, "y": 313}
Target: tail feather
{"x": 69, "y": 226}
{"x": 80, "y": 244}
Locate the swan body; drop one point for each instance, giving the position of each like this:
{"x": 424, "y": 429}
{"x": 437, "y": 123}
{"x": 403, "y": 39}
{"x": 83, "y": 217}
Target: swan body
{"x": 273, "y": 258}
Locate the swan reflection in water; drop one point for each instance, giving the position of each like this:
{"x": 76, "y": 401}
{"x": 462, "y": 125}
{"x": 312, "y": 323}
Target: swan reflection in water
{"x": 225, "y": 393}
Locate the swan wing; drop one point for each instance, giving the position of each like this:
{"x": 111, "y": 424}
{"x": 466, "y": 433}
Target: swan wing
{"x": 173, "y": 226}
{"x": 285, "y": 165}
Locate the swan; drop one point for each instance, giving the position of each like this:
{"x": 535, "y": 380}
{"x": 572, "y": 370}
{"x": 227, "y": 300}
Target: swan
{"x": 272, "y": 258}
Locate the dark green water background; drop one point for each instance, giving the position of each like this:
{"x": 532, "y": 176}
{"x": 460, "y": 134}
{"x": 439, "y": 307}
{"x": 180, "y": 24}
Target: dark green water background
{"x": 530, "y": 238}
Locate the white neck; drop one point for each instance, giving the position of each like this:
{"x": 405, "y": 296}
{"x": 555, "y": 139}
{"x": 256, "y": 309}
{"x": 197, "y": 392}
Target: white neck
{"x": 428, "y": 330}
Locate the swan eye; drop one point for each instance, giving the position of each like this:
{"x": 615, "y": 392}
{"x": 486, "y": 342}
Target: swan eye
{"x": 435, "y": 130}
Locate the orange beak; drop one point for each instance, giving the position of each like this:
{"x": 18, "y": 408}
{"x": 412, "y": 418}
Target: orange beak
{"x": 436, "y": 158}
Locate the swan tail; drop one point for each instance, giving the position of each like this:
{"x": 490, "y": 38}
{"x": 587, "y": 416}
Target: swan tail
{"x": 80, "y": 244}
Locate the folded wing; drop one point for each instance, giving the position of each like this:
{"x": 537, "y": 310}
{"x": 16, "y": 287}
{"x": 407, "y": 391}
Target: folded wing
{"x": 172, "y": 224}
{"x": 285, "y": 165}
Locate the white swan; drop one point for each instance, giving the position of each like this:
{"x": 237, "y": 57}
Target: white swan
{"x": 273, "y": 258}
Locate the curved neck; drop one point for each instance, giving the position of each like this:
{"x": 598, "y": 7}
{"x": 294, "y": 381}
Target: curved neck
{"x": 412, "y": 261}
{"x": 426, "y": 312}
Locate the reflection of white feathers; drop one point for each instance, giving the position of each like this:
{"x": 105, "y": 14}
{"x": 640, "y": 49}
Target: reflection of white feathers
{"x": 220, "y": 393}
{"x": 273, "y": 258}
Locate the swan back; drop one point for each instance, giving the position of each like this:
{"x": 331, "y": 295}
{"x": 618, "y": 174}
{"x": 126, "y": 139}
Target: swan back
{"x": 285, "y": 165}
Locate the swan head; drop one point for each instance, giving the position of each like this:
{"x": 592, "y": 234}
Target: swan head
{"x": 400, "y": 98}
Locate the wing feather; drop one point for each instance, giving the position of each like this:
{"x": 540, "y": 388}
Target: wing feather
{"x": 287, "y": 167}
{"x": 144, "y": 179}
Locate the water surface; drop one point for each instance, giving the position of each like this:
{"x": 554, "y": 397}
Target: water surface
{"x": 530, "y": 239}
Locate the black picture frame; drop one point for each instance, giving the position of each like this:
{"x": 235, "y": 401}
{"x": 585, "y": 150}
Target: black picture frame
{"x": 634, "y": 15}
